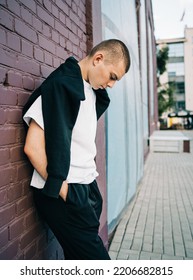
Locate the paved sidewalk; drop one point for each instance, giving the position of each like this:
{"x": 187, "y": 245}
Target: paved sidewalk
{"x": 158, "y": 223}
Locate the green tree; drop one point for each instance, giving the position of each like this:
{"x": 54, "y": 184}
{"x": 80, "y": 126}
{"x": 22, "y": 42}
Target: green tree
{"x": 165, "y": 98}
{"x": 165, "y": 92}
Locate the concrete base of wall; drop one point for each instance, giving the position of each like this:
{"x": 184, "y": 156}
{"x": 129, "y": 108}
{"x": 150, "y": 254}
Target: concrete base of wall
{"x": 169, "y": 141}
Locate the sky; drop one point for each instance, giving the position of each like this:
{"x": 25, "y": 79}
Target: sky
{"x": 171, "y": 16}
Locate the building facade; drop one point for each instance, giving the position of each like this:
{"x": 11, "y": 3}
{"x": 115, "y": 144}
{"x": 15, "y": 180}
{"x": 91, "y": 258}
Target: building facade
{"x": 132, "y": 115}
{"x": 179, "y": 69}
{"x": 36, "y": 36}
{"x": 188, "y": 60}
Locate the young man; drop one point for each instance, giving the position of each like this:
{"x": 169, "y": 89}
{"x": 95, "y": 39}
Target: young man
{"x": 62, "y": 118}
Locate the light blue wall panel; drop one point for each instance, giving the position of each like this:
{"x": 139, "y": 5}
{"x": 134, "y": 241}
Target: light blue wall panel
{"x": 124, "y": 117}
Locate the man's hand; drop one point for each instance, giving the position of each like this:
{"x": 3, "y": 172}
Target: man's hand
{"x": 64, "y": 190}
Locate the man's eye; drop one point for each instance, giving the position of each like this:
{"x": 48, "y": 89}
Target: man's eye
{"x": 113, "y": 78}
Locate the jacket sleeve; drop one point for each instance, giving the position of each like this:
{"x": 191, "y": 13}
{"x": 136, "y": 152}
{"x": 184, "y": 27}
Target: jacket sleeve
{"x": 59, "y": 114}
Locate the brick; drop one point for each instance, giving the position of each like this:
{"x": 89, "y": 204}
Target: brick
{"x": 28, "y": 83}
{"x": 68, "y": 2}
{"x": 25, "y": 31}
{"x": 20, "y": 135}
{"x": 3, "y": 72}
{"x": 63, "y": 6}
{"x": 45, "y": 16}
{"x": 60, "y": 52}
{"x": 26, "y": 184}
{"x": 46, "y": 30}
{"x": 8, "y": 175}
{"x": 31, "y": 4}
{"x": 73, "y": 38}
{"x": 26, "y": 15}
{"x": 47, "y": 5}
{"x": 82, "y": 7}
{"x": 7, "y": 57}
{"x": 62, "y": 42}
{"x": 30, "y": 235}
{"x": 46, "y": 44}
{"x": 74, "y": 8}
{"x": 75, "y": 50}
{"x": 14, "y": 79}
{"x": 3, "y": 237}
{"x": 55, "y": 11}
{"x": 16, "y": 228}
{"x": 46, "y": 71}
{"x": 3, "y": 117}
{"x": 37, "y": 24}
{"x": 61, "y": 29}
{"x": 17, "y": 153}
{"x": 22, "y": 98}
{"x": 62, "y": 18}
{"x": 56, "y": 62}
{"x": 10, "y": 252}
{"x": 13, "y": 42}
{"x": 7, "y": 214}
{"x": 14, "y": 7}
{"x": 28, "y": 65}
{"x": 30, "y": 218}
{"x": 24, "y": 204}
{"x": 14, "y": 192}
{"x": 3, "y": 197}
{"x": 6, "y": 19}
{"x": 74, "y": 18}
{"x": 27, "y": 48}
{"x": 8, "y": 136}
{"x": 38, "y": 54}
{"x": 2, "y": 37}
{"x": 55, "y": 36}
{"x": 4, "y": 156}
{"x": 23, "y": 171}
{"x": 38, "y": 82}
{"x": 69, "y": 46}
{"x": 74, "y": 28}
{"x": 68, "y": 23}
{"x": 48, "y": 59}
{"x": 3, "y": 2}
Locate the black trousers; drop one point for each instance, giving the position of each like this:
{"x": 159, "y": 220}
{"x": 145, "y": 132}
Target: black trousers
{"x": 75, "y": 222}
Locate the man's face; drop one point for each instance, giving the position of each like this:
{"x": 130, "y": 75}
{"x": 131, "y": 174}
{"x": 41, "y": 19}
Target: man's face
{"x": 104, "y": 74}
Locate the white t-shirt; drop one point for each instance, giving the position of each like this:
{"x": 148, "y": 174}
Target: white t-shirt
{"x": 83, "y": 148}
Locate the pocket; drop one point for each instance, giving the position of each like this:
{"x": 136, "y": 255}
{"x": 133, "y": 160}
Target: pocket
{"x": 80, "y": 213}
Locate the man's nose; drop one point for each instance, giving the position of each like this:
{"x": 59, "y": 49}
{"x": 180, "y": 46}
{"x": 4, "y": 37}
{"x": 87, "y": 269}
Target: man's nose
{"x": 111, "y": 83}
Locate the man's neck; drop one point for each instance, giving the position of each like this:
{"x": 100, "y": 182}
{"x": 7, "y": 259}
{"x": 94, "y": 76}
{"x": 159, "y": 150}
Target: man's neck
{"x": 84, "y": 68}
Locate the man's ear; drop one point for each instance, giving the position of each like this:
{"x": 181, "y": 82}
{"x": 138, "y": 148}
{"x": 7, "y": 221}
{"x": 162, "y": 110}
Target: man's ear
{"x": 97, "y": 58}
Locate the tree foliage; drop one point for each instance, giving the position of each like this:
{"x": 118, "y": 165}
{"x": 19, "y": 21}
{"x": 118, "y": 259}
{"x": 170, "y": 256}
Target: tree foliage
{"x": 165, "y": 92}
{"x": 162, "y": 58}
{"x": 165, "y": 99}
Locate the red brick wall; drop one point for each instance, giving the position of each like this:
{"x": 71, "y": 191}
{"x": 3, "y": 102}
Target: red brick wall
{"x": 35, "y": 37}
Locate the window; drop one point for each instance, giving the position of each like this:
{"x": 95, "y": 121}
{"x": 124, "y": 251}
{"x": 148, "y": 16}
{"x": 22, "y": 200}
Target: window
{"x": 176, "y": 49}
{"x": 180, "y": 87}
{"x": 180, "y": 105}
{"x": 177, "y": 68}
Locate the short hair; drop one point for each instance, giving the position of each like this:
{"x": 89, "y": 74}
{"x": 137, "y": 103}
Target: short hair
{"x": 115, "y": 49}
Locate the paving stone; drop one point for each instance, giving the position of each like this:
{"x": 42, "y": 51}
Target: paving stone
{"x": 123, "y": 254}
{"x": 160, "y": 216}
{"x": 147, "y": 247}
{"x": 113, "y": 255}
{"x": 115, "y": 246}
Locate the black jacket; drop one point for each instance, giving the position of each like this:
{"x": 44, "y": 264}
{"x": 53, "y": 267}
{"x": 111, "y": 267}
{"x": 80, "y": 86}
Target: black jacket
{"x": 61, "y": 94}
